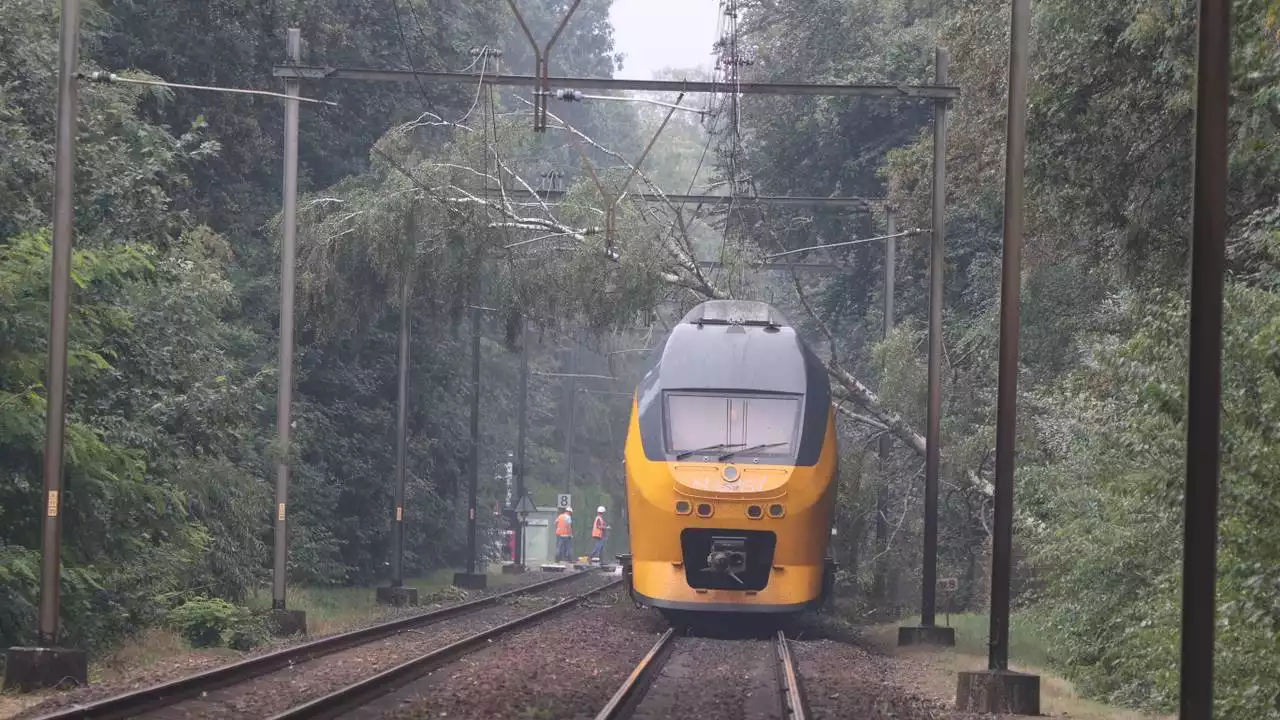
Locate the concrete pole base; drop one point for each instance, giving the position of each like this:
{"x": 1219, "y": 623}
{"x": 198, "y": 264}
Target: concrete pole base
{"x": 284, "y": 623}
{"x": 470, "y": 581}
{"x": 930, "y": 635}
{"x": 38, "y": 668}
{"x": 513, "y": 569}
{"x": 397, "y": 596}
{"x": 998, "y": 691}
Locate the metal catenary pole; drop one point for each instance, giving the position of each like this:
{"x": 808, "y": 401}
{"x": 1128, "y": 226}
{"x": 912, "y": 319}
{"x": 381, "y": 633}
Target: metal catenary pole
{"x": 878, "y": 586}
{"x": 284, "y": 397}
{"x": 1204, "y": 389}
{"x": 475, "y": 440}
{"x": 1010, "y": 291}
{"x": 59, "y": 318}
{"x": 573, "y": 413}
{"x": 521, "y": 430}
{"x": 928, "y": 588}
{"x": 402, "y": 410}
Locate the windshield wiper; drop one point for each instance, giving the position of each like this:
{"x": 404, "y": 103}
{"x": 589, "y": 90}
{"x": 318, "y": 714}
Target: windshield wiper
{"x": 762, "y": 446}
{"x": 695, "y": 451}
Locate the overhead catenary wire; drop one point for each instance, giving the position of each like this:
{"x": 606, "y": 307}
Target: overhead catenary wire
{"x": 859, "y": 241}
{"x": 404, "y": 45}
{"x": 100, "y": 76}
{"x": 693, "y": 180}
{"x": 408, "y": 56}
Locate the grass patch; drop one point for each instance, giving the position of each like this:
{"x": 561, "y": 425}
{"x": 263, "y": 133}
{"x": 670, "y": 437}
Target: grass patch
{"x": 143, "y": 650}
{"x": 334, "y": 609}
{"x": 1027, "y": 645}
{"x": 1029, "y": 652}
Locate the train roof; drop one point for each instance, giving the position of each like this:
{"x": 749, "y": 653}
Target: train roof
{"x": 735, "y": 312}
{"x": 737, "y": 345}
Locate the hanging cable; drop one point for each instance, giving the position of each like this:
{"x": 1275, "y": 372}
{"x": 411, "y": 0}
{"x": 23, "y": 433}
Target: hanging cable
{"x": 484, "y": 66}
{"x": 408, "y": 56}
{"x": 846, "y": 243}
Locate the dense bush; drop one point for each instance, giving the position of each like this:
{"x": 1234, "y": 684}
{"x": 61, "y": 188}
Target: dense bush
{"x": 1112, "y": 504}
{"x": 212, "y": 622}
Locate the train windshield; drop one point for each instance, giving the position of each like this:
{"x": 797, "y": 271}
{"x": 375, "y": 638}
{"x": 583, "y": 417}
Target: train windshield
{"x": 762, "y": 425}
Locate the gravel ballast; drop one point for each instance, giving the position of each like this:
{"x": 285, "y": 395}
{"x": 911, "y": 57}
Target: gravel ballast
{"x": 567, "y": 666}
{"x": 846, "y": 681}
{"x": 715, "y": 679}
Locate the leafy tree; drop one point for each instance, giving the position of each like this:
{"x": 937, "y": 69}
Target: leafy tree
{"x": 1102, "y": 342}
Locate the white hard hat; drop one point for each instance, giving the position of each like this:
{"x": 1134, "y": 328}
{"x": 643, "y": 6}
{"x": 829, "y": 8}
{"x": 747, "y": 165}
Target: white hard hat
{"x": 568, "y": 508}
{"x": 600, "y": 509}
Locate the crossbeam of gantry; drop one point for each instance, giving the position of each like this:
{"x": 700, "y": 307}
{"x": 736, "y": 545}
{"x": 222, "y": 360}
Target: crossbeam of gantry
{"x": 316, "y": 72}
{"x": 850, "y": 204}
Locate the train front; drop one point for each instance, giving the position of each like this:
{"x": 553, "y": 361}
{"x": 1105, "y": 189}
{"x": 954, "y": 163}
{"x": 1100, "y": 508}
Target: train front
{"x": 730, "y": 463}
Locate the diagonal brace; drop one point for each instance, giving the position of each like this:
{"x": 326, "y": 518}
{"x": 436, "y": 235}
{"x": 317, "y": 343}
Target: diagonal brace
{"x": 612, "y": 201}
{"x": 541, "y": 58}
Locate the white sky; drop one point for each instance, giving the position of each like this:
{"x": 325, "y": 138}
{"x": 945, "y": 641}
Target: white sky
{"x": 657, "y": 34}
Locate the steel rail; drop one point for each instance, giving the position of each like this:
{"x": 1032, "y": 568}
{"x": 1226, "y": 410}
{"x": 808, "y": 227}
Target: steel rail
{"x": 360, "y": 693}
{"x": 633, "y": 688}
{"x": 157, "y": 696}
{"x": 793, "y": 705}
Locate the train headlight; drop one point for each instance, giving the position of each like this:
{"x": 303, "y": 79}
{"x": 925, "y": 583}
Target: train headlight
{"x": 704, "y": 510}
{"x": 755, "y": 512}
{"x": 683, "y": 507}
{"x": 776, "y": 511}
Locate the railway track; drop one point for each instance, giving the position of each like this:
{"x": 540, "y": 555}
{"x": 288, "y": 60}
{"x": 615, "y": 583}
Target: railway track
{"x": 359, "y": 694}
{"x": 630, "y": 696}
{"x": 199, "y": 685}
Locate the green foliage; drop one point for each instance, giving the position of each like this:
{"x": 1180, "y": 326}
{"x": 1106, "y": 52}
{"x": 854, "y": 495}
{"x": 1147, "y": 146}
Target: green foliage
{"x": 126, "y": 535}
{"x": 211, "y": 622}
{"x": 1112, "y": 499}
{"x": 170, "y": 432}
{"x": 1102, "y": 406}
{"x": 127, "y": 169}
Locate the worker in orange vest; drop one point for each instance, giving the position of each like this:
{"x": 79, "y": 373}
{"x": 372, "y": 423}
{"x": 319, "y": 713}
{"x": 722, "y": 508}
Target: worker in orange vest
{"x": 598, "y": 529}
{"x": 564, "y": 535}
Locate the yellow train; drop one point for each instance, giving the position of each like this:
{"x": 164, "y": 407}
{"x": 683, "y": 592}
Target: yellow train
{"x": 731, "y": 465}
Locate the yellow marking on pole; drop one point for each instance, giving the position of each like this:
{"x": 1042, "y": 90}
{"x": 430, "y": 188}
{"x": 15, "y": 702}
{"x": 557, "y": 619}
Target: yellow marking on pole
{"x": 280, "y": 513}
{"x": 399, "y": 513}
{"x": 53, "y": 503}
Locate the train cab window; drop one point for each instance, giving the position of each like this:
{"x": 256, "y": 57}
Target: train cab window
{"x": 722, "y": 423}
